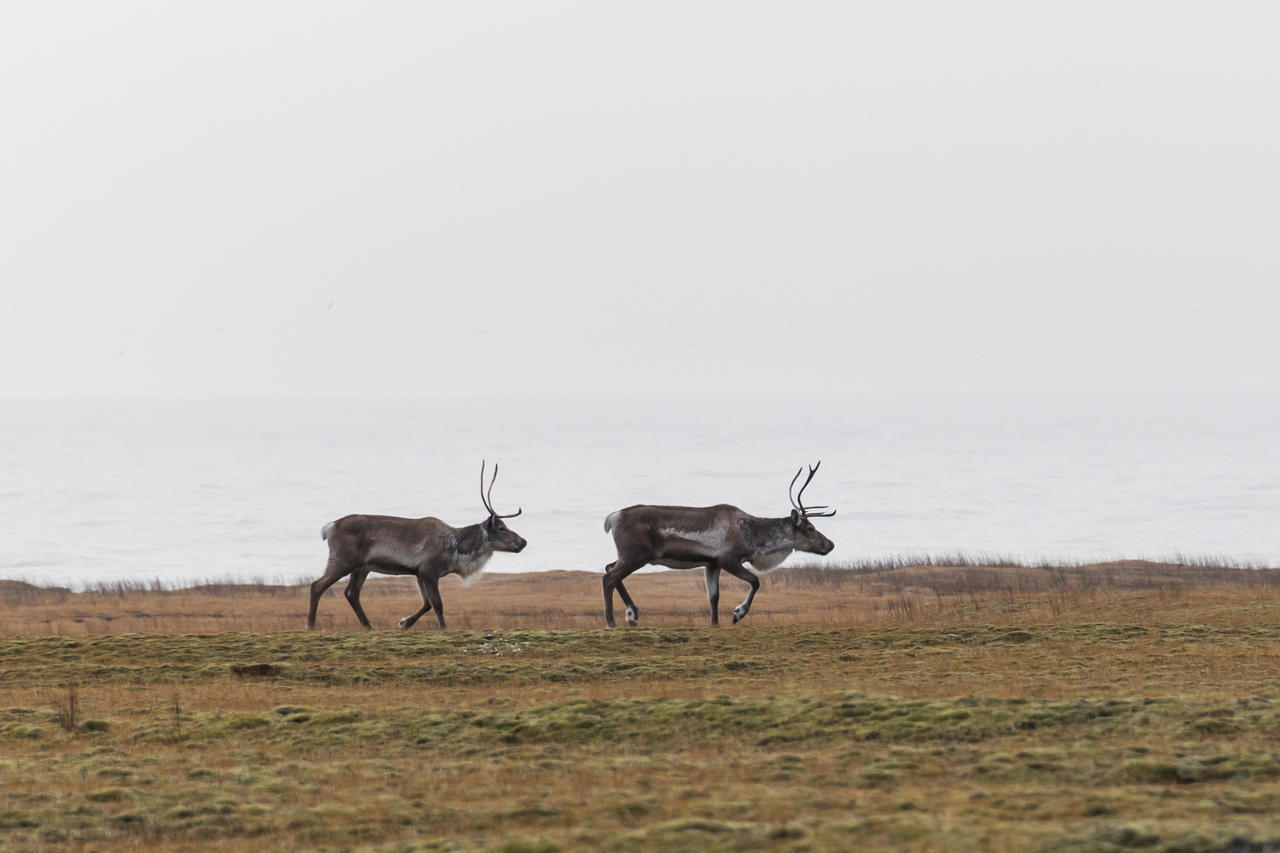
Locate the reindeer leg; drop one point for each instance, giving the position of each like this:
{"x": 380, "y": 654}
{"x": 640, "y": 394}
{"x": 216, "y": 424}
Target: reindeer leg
{"x": 608, "y": 595}
{"x": 407, "y": 622}
{"x": 713, "y": 592}
{"x": 352, "y": 593}
{"x": 743, "y": 573}
{"x": 613, "y": 575}
{"x": 431, "y": 590}
{"x": 335, "y": 571}
{"x": 632, "y": 612}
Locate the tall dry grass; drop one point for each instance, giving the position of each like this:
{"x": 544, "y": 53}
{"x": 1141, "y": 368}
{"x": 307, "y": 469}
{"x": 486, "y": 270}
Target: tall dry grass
{"x": 891, "y": 591}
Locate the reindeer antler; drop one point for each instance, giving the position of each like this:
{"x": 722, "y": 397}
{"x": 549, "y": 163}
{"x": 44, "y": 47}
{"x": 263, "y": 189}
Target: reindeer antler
{"x": 482, "y": 497}
{"x": 791, "y": 496}
{"x": 487, "y": 497}
{"x": 798, "y": 500}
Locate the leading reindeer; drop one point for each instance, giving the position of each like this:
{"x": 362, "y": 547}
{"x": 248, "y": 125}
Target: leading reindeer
{"x": 425, "y": 548}
{"x": 718, "y": 538}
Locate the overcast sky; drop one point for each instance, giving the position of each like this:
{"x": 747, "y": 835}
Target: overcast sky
{"x": 562, "y": 198}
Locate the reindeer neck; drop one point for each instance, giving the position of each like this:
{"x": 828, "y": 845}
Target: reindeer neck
{"x": 770, "y": 534}
{"x": 473, "y": 540}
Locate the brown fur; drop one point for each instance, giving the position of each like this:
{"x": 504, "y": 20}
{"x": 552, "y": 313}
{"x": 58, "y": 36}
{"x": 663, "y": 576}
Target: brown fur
{"x": 426, "y": 548}
{"x": 715, "y": 538}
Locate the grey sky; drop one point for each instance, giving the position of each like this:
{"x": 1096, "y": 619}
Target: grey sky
{"x": 315, "y": 198}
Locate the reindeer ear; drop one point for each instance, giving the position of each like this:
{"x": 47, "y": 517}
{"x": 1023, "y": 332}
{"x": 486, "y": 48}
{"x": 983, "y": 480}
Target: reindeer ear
{"x": 795, "y": 517}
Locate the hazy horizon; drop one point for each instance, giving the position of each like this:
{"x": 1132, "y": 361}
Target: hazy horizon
{"x": 733, "y": 238}
{"x": 215, "y": 488}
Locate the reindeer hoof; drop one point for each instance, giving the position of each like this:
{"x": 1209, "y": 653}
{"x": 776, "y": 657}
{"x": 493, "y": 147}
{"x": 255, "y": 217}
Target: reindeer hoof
{"x": 404, "y": 624}
{"x": 632, "y": 616}
{"x": 738, "y": 615}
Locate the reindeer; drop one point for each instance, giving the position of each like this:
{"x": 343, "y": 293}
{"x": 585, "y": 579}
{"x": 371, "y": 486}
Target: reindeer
{"x": 425, "y": 548}
{"x": 717, "y": 538}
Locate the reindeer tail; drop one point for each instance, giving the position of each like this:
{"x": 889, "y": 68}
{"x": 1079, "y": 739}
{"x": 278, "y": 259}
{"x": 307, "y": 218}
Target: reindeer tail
{"x": 609, "y": 521}
{"x": 326, "y": 530}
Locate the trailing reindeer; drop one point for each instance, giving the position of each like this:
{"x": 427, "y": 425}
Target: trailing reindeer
{"x": 717, "y": 538}
{"x": 426, "y": 548}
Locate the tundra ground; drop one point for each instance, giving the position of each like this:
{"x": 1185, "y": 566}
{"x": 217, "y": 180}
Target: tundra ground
{"x": 1104, "y": 707}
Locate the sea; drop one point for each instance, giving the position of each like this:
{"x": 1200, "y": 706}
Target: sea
{"x": 183, "y": 491}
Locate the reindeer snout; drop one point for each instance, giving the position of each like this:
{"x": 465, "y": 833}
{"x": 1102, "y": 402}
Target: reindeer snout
{"x": 520, "y": 543}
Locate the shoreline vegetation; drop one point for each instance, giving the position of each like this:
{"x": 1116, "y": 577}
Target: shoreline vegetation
{"x": 980, "y": 705}
{"x": 863, "y": 592}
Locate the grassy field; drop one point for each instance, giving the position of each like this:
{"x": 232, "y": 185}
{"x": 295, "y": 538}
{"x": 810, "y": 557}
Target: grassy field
{"x": 1122, "y": 706}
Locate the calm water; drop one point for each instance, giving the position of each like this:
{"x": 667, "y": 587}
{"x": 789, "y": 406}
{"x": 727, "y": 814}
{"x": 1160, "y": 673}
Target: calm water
{"x": 180, "y": 490}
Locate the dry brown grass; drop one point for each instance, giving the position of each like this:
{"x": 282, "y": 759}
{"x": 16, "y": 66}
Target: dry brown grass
{"x": 555, "y": 600}
{"x": 928, "y": 707}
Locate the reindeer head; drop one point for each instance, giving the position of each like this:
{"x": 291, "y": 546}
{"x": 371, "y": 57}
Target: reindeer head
{"x": 501, "y": 537}
{"x": 808, "y": 539}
